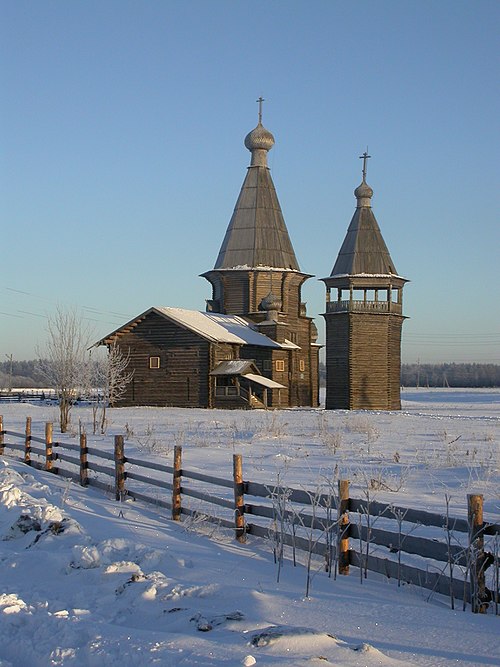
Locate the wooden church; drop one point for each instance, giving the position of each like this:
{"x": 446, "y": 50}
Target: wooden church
{"x": 364, "y": 317}
{"x": 254, "y": 346}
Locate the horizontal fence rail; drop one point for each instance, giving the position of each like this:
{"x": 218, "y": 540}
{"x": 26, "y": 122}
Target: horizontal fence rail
{"x": 329, "y": 525}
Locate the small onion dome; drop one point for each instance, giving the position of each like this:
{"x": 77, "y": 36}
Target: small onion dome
{"x": 259, "y": 138}
{"x": 270, "y": 302}
{"x": 363, "y": 194}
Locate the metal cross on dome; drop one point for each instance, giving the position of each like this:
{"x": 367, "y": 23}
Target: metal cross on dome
{"x": 364, "y": 157}
{"x": 260, "y": 100}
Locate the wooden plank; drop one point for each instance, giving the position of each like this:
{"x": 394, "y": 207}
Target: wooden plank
{"x": 221, "y": 502}
{"x": 15, "y": 434}
{"x": 257, "y": 490}
{"x": 299, "y": 496}
{"x": 150, "y": 464}
{"x": 67, "y": 445}
{"x": 301, "y": 543}
{"x": 149, "y": 480}
{"x": 15, "y": 445}
{"x": 67, "y": 459}
{"x": 149, "y": 499}
{"x": 410, "y": 515}
{"x": 207, "y": 517}
{"x": 491, "y": 529}
{"x": 107, "y": 487}
{"x": 94, "y": 467}
{"x": 62, "y": 472}
{"x": 434, "y": 581}
{"x": 421, "y": 546}
{"x": 206, "y": 478}
{"x": 92, "y": 451}
{"x": 39, "y": 439}
{"x": 302, "y": 520}
{"x": 37, "y": 451}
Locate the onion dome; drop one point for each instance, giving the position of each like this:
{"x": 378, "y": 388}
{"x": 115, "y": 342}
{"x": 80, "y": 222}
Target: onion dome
{"x": 270, "y": 302}
{"x": 259, "y": 139}
{"x": 363, "y": 194}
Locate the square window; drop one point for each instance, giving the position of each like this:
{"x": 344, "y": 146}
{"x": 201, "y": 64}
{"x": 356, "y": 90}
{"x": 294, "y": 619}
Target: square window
{"x": 267, "y": 365}
{"x": 154, "y": 362}
{"x": 279, "y": 365}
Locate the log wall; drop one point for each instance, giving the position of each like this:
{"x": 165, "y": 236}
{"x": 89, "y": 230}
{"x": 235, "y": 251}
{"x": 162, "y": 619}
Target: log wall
{"x": 363, "y": 361}
{"x": 182, "y": 378}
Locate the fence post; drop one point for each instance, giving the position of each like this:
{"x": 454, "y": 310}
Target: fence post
{"x": 343, "y": 521}
{"x": 119, "y": 468}
{"x": 239, "y": 498}
{"x": 84, "y": 474}
{"x": 176, "y": 484}
{"x": 2, "y": 441}
{"x": 27, "y": 442}
{"x": 48, "y": 446}
{"x": 476, "y": 553}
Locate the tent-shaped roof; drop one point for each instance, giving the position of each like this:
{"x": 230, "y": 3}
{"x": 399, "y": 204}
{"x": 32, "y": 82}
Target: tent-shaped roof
{"x": 257, "y": 235}
{"x": 364, "y": 250}
{"x": 215, "y": 327}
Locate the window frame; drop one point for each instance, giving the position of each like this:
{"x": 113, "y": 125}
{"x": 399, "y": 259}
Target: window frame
{"x": 152, "y": 360}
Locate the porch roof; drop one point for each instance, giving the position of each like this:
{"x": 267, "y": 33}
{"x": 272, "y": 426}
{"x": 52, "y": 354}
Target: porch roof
{"x": 265, "y": 382}
{"x": 233, "y": 367}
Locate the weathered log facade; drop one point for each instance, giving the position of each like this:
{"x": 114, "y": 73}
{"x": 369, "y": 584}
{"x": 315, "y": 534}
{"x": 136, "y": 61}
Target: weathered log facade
{"x": 364, "y": 317}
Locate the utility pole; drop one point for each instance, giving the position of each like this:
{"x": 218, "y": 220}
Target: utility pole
{"x": 10, "y": 357}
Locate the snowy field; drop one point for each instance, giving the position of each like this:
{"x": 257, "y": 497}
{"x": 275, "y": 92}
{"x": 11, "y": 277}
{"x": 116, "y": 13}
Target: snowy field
{"x": 121, "y": 584}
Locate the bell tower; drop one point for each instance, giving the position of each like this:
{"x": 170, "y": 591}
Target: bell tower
{"x": 364, "y": 316}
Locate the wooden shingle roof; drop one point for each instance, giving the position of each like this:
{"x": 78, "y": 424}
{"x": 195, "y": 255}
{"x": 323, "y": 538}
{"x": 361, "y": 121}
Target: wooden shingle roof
{"x": 214, "y": 327}
{"x": 257, "y": 235}
{"x": 364, "y": 250}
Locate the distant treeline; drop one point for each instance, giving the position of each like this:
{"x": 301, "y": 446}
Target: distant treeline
{"x": 444, "y": 375}
{"x": 450, "y": 375}
{"x": 24, "y": 374}
{"x": 27, "y": 374}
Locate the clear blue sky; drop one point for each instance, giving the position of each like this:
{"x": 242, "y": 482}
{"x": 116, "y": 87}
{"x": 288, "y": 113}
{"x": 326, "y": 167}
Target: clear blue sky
{"x": 122, "y": 127}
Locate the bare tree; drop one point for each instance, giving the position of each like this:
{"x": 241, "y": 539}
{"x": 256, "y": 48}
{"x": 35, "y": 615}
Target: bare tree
{"x": 64, "y": 359}
{"x": 112, "y": 378}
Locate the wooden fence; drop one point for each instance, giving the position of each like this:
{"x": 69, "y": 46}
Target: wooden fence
{"x": 329, "y": 525}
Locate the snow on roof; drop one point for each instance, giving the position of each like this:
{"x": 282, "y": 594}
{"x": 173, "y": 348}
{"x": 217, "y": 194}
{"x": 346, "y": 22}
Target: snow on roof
{"x": 233, "y": 367}
{"x": 259, "y": 267}
{"x": 265, "y": 382}
{"x": 288, "y": 345}
{"x": 366, "y": 275}
{"x": 217, "y": 327}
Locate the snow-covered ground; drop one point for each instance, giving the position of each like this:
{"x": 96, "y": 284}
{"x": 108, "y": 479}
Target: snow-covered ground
{"x": 89, "y": 581}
